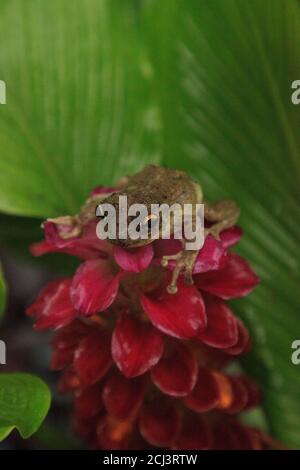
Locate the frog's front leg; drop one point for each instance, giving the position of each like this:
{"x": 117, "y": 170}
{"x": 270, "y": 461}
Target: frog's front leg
{"x": 225, "y": 213}
{"x": 77, "y": 222}
{"x": 185, "y": 261}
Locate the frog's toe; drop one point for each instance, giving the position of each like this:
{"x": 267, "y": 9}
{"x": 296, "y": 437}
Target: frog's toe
{"x": 214, "y": 231}
{"x": 184, "y": 265}
{"x": 172, "y": 289}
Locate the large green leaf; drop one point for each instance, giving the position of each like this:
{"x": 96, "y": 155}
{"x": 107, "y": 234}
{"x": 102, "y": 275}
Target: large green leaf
{"x": 227, "y": 68}
{"x": 80, "y": 108}
{"x": 24, "y": 403}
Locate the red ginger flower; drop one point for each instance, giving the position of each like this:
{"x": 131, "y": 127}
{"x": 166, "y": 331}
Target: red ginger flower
{"x": 146, "y": 367}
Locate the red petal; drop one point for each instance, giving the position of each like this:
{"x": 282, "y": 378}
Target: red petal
{"x": 164, "y": 246}
{"x": 195, "y": 434}
{"x": 53, "y": 307}
{"x": 92, "y": 357}
{"x": 240, "y": 395}
{"x": 239, "y": 437}
{"x": 103, "y": 191}
{"x": 231, "y": 236}
{"x": 94, "y": 286}
{"x": 232, "y": 435}
{"x": 224, "y": 438}
{"x": 61, "y": 358}
{"x": 253, "y": 391}
{"x": 123, "y": 397}
{"x": 243, "y": 344}
{"x": 159, "y": 423}
{"x": 134, "y": 260}
{"x": 114, "y": 434}
{"x": 222, "y": 329}
{"x": 85, "y": 429}
{"x": 68, "y": 381}
{"x": 236, "y": 279}
{"x": 211, "y": 256}
{"x": 136, "y": 347}
{"x": 88, "y": 402}
{"x": 70, "y": 336}
{"x": 225, "y": 390}
{"x": 205, "y": 395}
{"x": 211, "y": 357}
{"x": 176, "y": 374}
{"x": 180, "y": 315}
{"x": 85, "y": 246}
{"x": 41, "y": 248}
{"x": 65, "y": 342}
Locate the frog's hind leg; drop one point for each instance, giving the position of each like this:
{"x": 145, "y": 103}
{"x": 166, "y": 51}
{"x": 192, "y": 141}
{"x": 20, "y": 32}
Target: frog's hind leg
{"x": 185, "y": 261}
{"x": 225, "y": 213}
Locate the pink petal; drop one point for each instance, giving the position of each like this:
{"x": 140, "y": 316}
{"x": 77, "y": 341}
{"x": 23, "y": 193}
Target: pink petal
{"x": 222, "y": 328}
{"x": 103, "y": 191}
{"x": 180, "y": 315}
{"x": 205, "y": 395}
{"x": 236, "y": 279}
{"x": 211, "y": 256}
{"x": 159, "y": 424}
{"x": 85, "y": 246}
{"x": 133, "y": 260}
{"x": 136, "y": 346}
{"x": 53, "y": 307}
{"x": 231, "y": 236}
{"x": 176, "y": 374}
{"x": 94, "y": 286}
{"x": 123, "y": 397}
{"x": 92, "y": 358}
{"x": 41, "y": 248}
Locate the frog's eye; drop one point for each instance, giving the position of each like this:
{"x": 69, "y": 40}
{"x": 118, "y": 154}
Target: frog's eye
{"x": 151, "y": 220}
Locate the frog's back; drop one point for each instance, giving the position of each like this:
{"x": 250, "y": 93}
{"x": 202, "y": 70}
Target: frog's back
{"x": 155, "y": 184}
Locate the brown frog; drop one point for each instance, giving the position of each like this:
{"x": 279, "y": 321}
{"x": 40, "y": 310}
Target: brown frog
{"x": 158, "y": 185}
